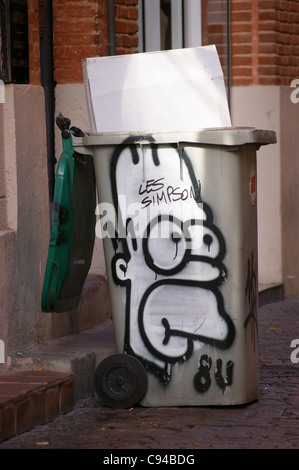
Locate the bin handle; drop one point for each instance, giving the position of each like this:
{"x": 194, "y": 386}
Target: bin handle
{"x": 64, "y": 125}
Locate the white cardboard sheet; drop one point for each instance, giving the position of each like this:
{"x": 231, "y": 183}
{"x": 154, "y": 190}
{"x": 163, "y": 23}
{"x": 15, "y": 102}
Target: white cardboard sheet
{"x": 176, "y": 90}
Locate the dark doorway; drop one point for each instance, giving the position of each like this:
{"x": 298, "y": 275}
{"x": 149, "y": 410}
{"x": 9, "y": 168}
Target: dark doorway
{"x": 14, "y": 62}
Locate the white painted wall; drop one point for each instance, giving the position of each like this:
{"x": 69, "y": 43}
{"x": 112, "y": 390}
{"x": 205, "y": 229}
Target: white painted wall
{"x": 25, "y": 228}
{"x": 259, "y": 107}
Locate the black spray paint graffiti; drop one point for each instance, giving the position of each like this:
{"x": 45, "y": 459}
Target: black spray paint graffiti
{"x": 173, "y": 299}
{"x": 251, "y": 293}
{"x": 158, "y": 193}
{"x": 202, "y": 380}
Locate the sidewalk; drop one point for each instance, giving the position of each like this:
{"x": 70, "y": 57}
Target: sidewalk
{"x": 50, "y": 378}
{"x": 271, "y": 422}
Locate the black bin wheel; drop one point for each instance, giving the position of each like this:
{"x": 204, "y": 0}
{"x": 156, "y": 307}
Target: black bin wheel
{"x": 120, "y": 381}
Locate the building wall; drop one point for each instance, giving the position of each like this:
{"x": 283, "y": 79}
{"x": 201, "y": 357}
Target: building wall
{"x": 259, "y": 106}
{"x": 24, "y": 217}
{"x": 289, "y": 145}
{"x": 26, "y": 225}
{"x": 34, "y": 43}
{"x": 265, "y": 44}
{"x": 80, "y": 30}
{"x": 265, "y": 60}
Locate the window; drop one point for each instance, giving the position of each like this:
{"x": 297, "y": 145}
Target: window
{"x": 169, "y": 24}
{"x": 174, "y": 24}
{"x": 14, "y": 62}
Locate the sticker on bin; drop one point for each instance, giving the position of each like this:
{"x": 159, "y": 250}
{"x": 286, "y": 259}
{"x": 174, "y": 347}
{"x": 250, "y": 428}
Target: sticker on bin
{"x": 180, "y": 89}
{"x": 252, "y": 185}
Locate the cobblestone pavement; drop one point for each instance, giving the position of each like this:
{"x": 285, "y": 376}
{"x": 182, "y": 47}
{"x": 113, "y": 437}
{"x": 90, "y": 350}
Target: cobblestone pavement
{"x": 272, "y": 422}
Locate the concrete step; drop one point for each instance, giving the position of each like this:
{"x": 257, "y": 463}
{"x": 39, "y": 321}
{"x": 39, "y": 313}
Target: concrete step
{"x": 48, "y": 380}
{"x": 30, "y": 398}
{"x": 77, "y": 355}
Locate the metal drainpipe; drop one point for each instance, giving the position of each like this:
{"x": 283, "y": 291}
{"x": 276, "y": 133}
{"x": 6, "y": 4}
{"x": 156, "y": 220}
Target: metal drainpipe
{"x": 111, "y": 27}
{"x": 229, "y": 77}
{"x": 46, "y": 55}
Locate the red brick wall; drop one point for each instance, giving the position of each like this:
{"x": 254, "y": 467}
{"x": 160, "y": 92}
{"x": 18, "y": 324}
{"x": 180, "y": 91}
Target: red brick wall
{"x": 264, "y": 37}
{"x": 80, "y": 31}
{"x": 214, "y": 28}
{"x": 265, "y": 42}
{"x": 126, "y": 26}
{"x": 287, "y": 38}
{"x": 33, "y": 43}
{"x": 242, "y": 42}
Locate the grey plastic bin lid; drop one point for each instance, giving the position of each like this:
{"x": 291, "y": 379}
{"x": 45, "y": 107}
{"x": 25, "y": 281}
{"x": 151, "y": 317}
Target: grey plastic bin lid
{"x": 229, "y": 136}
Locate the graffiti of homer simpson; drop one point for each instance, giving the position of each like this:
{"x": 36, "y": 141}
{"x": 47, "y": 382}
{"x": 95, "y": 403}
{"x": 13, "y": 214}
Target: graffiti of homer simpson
{"x": 168, "y": 255}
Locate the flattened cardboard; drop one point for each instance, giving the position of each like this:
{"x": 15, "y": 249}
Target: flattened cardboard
{"x": 180, "y": 89}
